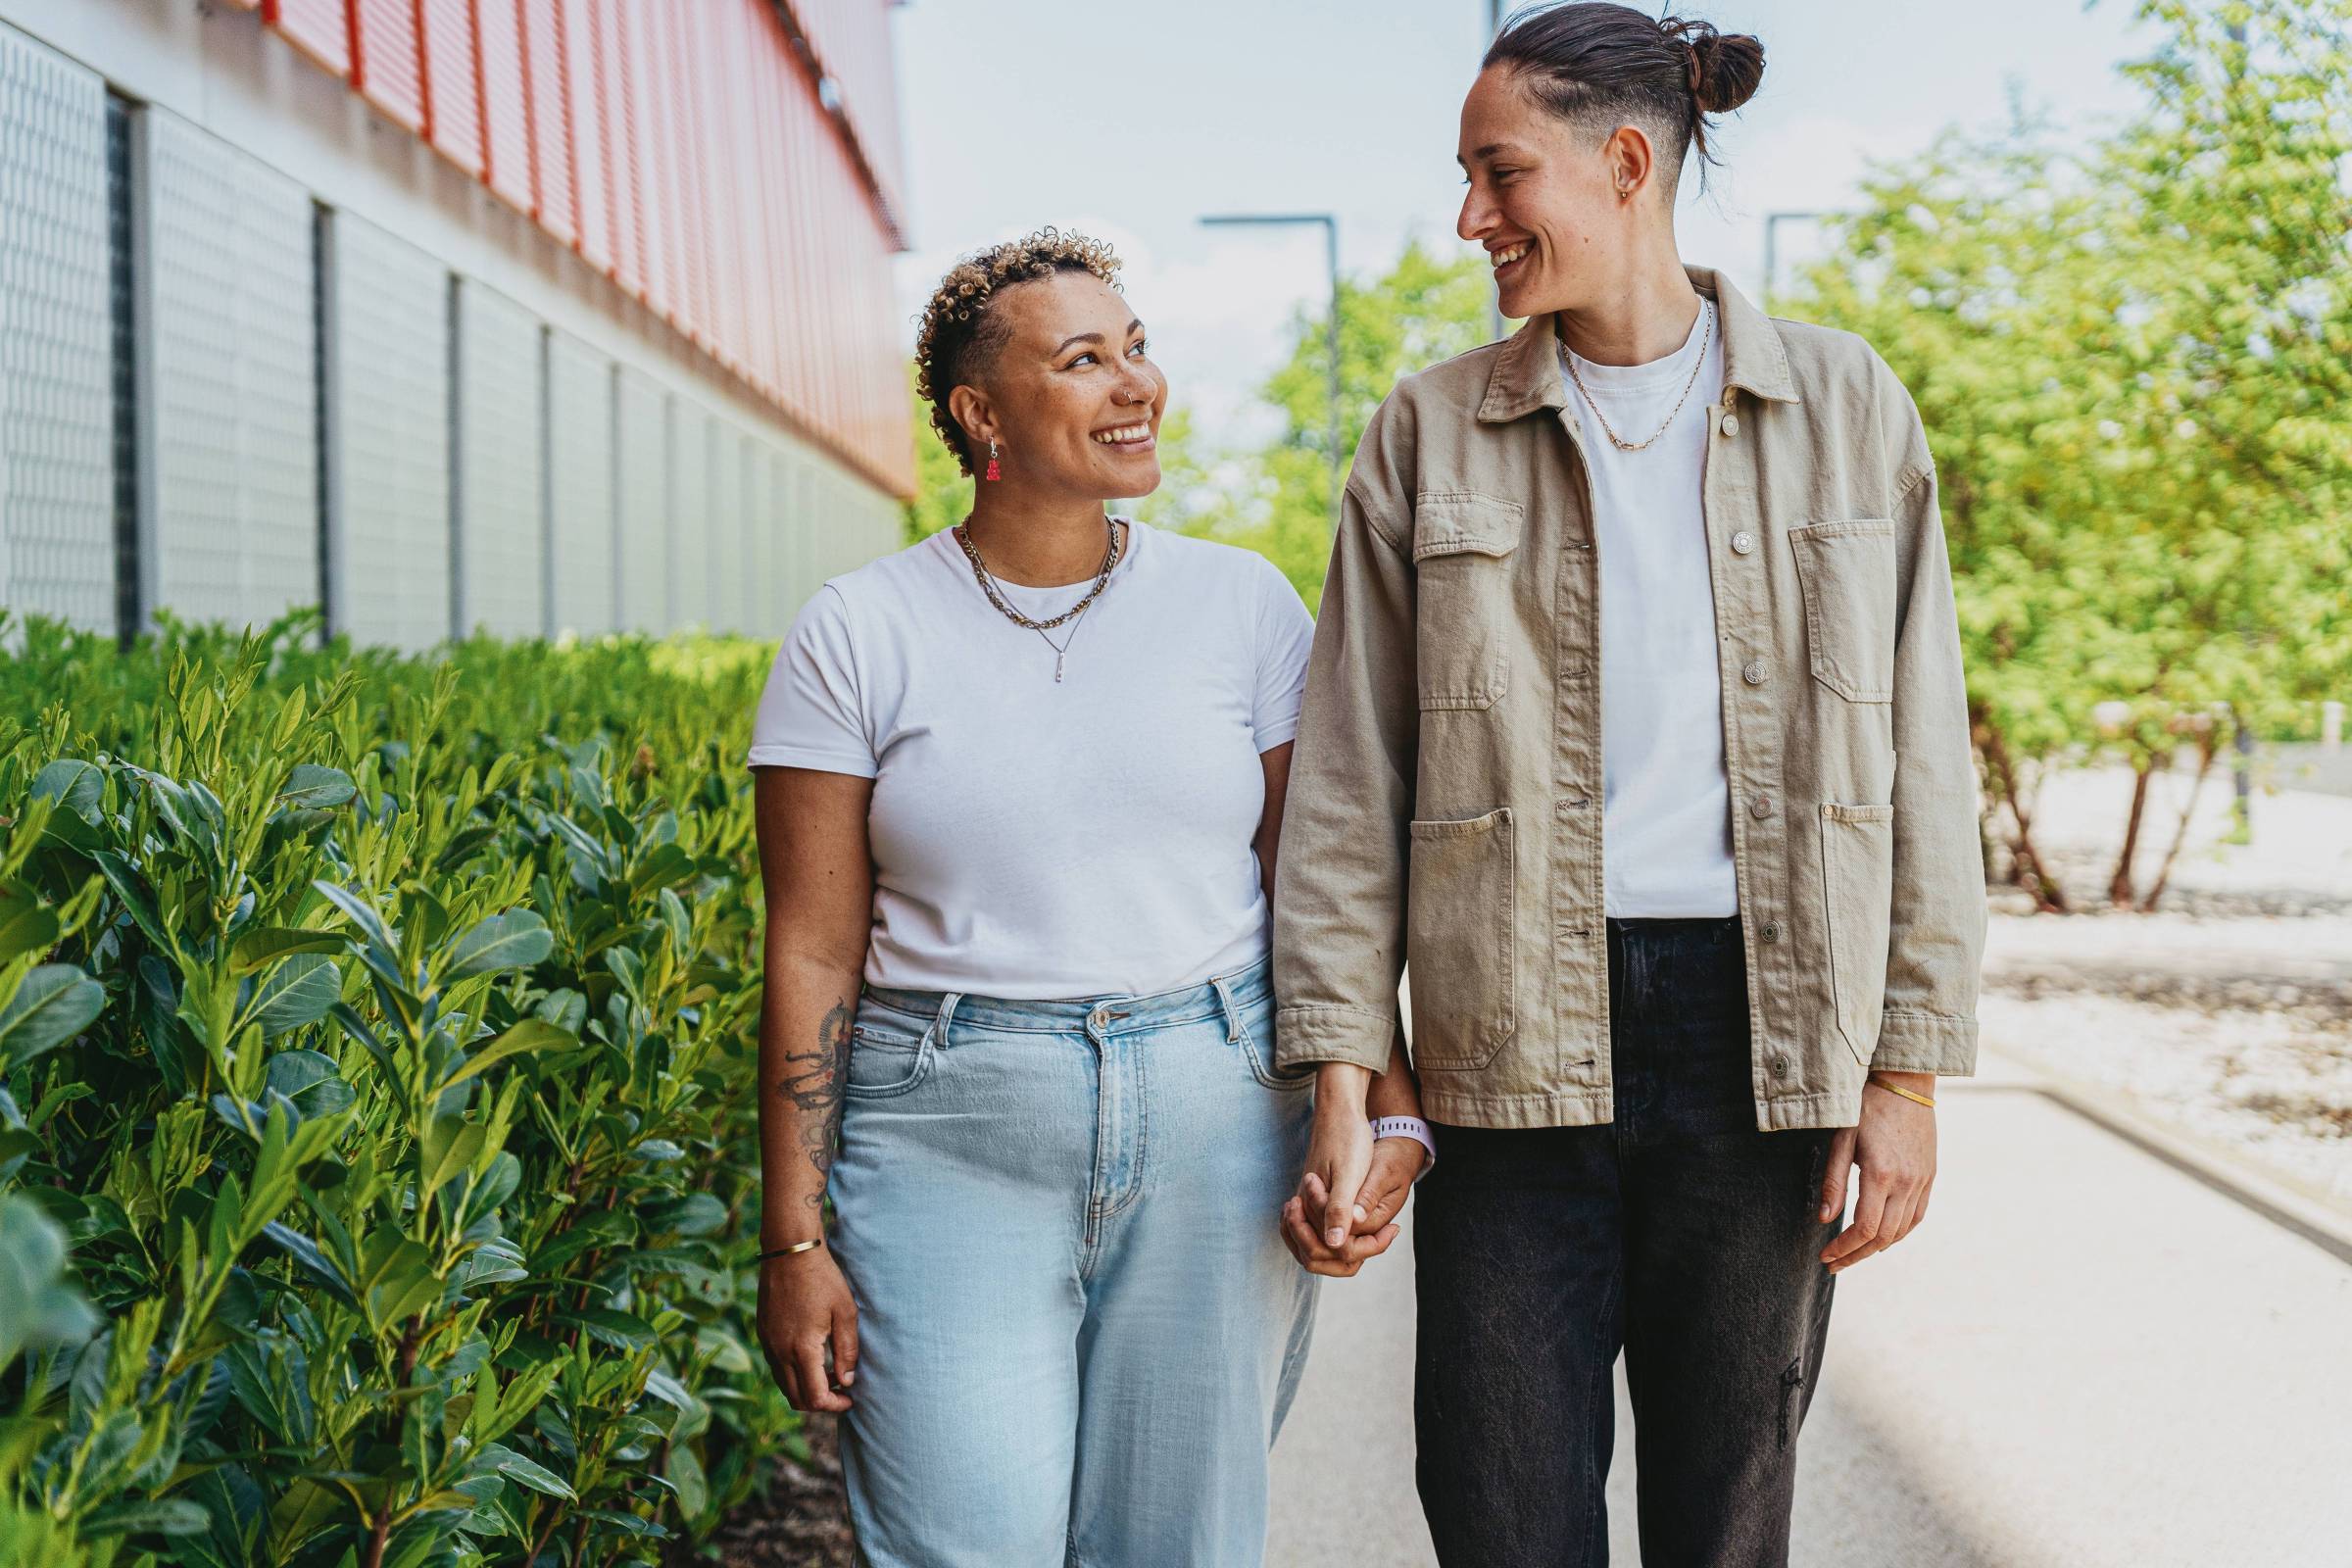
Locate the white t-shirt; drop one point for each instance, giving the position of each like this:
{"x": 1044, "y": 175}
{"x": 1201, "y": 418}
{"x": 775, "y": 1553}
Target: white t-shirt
{"x": 1666, "y": 832}
{"x": 1034, "y": 840}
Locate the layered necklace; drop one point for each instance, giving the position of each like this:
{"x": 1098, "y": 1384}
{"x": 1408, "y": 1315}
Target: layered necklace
{"x": 987, "y": 586}
{"x": 1706, "y": 318}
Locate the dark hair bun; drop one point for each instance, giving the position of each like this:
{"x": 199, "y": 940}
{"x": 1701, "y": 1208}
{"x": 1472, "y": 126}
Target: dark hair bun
{"x": 1729, "y": 66}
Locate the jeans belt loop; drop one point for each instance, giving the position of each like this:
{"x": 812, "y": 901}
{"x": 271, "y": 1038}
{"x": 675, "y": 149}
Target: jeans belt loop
{"x": 937, "y": 1035}
{"x": 1233, "y": 1008}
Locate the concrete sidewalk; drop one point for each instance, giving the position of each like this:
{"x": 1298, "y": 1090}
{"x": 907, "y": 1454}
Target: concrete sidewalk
{"x": 2085, "y": 1358}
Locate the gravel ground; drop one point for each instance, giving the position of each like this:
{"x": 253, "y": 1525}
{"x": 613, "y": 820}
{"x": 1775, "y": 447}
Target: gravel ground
{"x": 2230, "y": 1011}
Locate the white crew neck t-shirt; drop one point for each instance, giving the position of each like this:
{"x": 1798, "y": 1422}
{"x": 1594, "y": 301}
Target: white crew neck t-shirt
{"x": 1666, "y": 832}
{"x": 1034, "y": 840}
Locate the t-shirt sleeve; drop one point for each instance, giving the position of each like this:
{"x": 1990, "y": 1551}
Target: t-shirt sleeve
{"x": 1285, "y": 633}
{"x": 812, "y": 713}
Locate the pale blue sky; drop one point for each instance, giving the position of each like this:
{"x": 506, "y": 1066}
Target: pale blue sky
{"x": 1130, "y": 120}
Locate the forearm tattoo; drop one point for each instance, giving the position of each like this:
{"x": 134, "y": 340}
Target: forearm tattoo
{"x": 813, "y": 1081}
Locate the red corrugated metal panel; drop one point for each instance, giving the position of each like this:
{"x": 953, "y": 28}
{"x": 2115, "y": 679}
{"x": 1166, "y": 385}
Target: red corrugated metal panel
{"x": 747, "y": 196}
{"x": 707, "y": 34}
{"x": 591, "y": 163}
{"x": 387, "y": 64}
{"x": 774, "y": 74}
{"x": 506, "y": 112}
{"x": 852, "y": 42}
{"x": 617, "y": 116}
{"x": 686, "y": 184}
{"x": 452, "y": 101}
{"x": 547, "y": 91}
{"x": 320, "y": 28}
{"x": 648, "y": 77}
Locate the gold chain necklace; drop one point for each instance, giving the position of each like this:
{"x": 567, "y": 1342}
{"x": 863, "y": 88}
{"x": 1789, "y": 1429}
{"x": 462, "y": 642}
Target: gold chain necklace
{"x": 987, "y": 586}
{"x": 1706, "y": 316}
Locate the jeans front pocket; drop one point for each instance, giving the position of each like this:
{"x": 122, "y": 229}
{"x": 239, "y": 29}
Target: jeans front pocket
{"x": 1857, "y": 888}
{"x": 1462, "y": 928}
{"x": 890, "y": 1054}
{"x": 1462, "y": 545}
{"x": 1255, "y": 1034}
{"x": 1846, "y": 570}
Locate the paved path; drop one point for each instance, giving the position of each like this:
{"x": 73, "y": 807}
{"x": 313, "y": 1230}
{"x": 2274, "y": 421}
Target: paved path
{"x": 2086, "y": 1358}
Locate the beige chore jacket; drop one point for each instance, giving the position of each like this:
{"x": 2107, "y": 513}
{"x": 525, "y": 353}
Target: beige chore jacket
{"x": 1444, "y": 805}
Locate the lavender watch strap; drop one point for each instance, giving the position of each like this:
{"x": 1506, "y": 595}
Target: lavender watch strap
{"x": 1412, "y": 1127}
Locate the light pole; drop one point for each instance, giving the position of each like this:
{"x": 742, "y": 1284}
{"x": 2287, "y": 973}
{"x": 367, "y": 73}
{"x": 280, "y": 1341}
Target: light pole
{"x": 1772, "y": 224}
{"x": 1494, "y": 314}
{"x": 1331, "y": 258}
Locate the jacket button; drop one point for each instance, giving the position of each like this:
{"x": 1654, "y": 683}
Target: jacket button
{"x": 1771, "y": 930}
{"x": 1730, "y": 424}
{"x": 1752, "y": 672}
{"x": 1779, "y": 1065}
{"x": 1760, "y": 808}
{"x": 1743, "y": 543}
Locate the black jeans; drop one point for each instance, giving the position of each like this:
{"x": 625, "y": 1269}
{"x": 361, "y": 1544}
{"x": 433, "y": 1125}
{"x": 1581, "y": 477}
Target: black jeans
{"x": 1678, "y": 1233}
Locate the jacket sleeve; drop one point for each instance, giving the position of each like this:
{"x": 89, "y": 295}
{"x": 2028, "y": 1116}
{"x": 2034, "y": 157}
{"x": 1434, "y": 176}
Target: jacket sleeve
{"x": 1936, "y": 941}
{"x": 1339, "y": 896}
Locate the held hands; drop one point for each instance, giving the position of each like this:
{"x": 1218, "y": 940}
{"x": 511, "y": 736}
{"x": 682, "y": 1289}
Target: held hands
{"x": 1353, "y": 1187}
{"x": 805, "y": 1310}
{"x": 1894, "y": 1144}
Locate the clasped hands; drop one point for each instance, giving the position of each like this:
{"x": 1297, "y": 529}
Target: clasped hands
{"x": 1345, "y": 1211}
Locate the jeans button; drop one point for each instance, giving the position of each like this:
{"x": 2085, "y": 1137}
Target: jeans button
{"x": 1779, "y": 1065}
{"x": 1772, "y": 931}
{"x": 1743, "y": 543}
{"x": 1730, "y": 424}
{"x": 1760, "y": 808}
{"x": 1752, "y": 672}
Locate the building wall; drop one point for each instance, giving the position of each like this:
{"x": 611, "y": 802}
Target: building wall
{"x": 346, "y": 337}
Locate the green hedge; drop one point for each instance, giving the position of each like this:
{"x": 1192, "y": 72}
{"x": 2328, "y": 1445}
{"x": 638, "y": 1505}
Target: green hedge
{"x": 377, "y": 1042}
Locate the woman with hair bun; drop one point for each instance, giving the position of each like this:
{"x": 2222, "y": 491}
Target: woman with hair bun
{"x": 1018, "y": 792}
{"x": 1627, "y": 621}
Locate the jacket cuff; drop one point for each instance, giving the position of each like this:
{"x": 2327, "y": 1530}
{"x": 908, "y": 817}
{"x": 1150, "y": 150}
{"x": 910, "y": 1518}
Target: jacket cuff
{"x": 1927, "y": 1042}
{"x": 1326, "y": 1032}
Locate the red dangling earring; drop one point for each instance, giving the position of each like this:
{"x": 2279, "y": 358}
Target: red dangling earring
{"x": 994, "y": 472}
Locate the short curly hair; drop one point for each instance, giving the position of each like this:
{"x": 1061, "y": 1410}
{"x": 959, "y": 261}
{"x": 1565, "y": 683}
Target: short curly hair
{"x": 959, "y": 335}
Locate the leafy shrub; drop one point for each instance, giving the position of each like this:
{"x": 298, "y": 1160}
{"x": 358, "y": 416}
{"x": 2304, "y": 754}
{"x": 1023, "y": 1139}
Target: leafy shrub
{"x": 376, "y": 1032}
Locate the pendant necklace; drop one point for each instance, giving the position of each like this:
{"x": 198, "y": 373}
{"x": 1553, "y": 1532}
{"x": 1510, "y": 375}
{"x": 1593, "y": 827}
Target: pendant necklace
{"x": 987, "y": 586}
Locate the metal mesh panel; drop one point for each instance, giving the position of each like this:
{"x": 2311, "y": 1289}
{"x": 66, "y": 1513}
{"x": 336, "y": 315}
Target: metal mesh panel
{"x": 641, "y": 495}
{"x": 57, "y": 460}
{"x": 124, "y": 324}
{"x": 760, "y": 596}
{"x": 229, "y": 415}
{"x": 726, "y": 526}
{"x": 387, "y": 388}
{"x": 580, "y": 467}
{"x": 690, "y": 602}
{"x": 501, "y": 523}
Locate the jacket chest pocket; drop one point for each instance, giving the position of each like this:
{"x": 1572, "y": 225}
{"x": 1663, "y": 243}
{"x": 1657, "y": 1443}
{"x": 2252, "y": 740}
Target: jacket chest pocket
{"x": 1462, "y": 545}
{"x": 1847, "y": 572}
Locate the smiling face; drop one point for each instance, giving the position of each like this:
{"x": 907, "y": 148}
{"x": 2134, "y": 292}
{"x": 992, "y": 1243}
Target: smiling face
{"x": 1069, "y": 393}
{"x": 1555, "y": 207}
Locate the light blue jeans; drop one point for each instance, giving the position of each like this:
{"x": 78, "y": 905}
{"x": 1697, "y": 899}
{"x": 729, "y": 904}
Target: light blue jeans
{"x": 1078, "y": 1329}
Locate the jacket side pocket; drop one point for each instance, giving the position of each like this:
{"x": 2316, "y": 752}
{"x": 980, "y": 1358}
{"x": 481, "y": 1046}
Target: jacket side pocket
{"x": 1461, "y": 926}
{"x": 1857, "y": 889}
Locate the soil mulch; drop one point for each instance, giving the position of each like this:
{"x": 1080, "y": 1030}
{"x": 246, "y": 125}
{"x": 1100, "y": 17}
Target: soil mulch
{"x": 800, "y": 1522}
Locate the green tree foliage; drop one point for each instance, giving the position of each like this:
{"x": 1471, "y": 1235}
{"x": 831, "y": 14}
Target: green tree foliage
{"x": 943, "y": 491}
{"x": 1277, "y": 499}
{"x": 379, "y": 1034}
{"x": 2130, "y": 357}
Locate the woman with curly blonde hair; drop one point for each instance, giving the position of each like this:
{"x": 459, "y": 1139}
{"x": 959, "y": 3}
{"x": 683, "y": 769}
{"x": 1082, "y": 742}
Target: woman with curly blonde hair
{"x": 1019, "y": 790}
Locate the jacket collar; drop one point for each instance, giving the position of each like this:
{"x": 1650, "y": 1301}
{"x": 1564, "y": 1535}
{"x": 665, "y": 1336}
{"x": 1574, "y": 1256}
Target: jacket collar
{"x": 1526, "y": 374}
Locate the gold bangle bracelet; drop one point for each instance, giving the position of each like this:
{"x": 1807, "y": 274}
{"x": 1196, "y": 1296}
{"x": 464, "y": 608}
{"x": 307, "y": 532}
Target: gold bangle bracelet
{"x": 1907, "y": 1094}
{"x": 787, "y": 1252}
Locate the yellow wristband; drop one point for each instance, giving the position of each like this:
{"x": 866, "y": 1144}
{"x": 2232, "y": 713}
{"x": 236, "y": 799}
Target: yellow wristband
{"x": 1907, "y": 1094}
